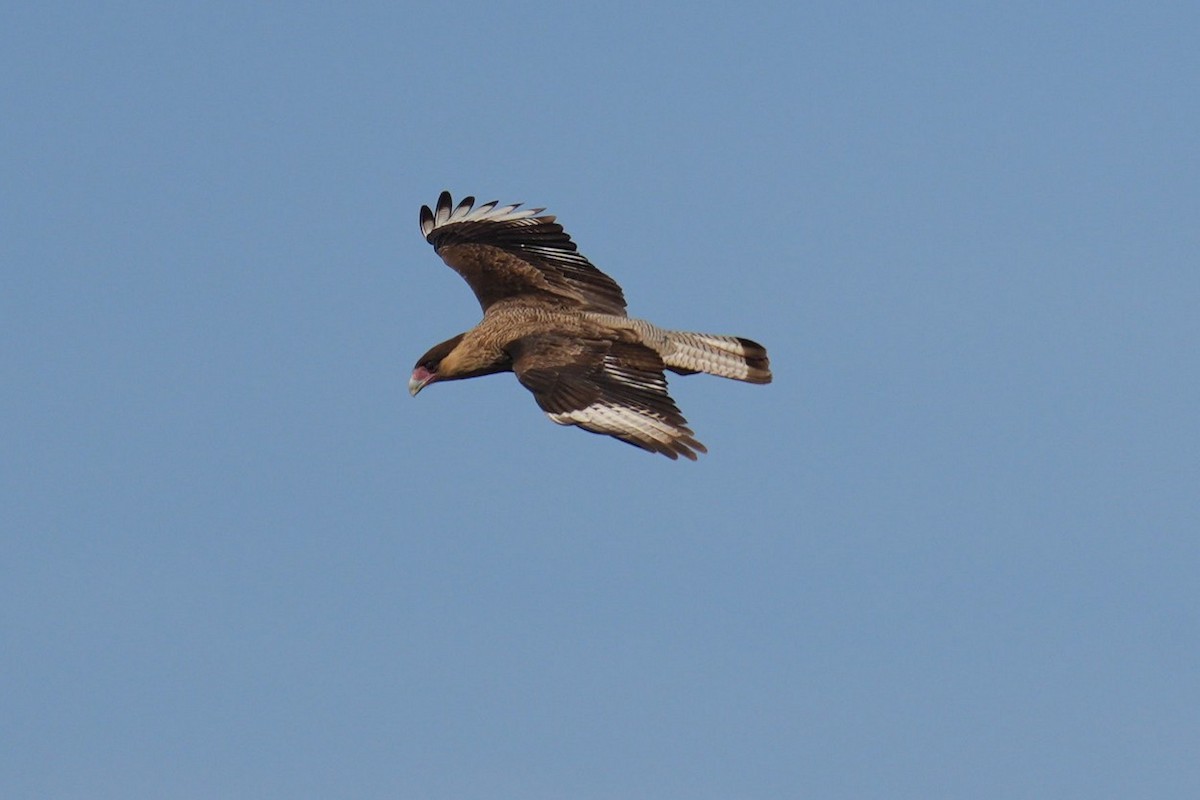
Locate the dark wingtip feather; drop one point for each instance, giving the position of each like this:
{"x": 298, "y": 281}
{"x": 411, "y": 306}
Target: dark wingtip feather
{"x": 442, "y": 213}
{"x": 426, "y": 221}
{"x": 685, "y": 446}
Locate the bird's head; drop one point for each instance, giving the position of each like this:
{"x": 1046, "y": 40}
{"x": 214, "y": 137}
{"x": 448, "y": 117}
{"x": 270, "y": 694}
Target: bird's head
{"x": 429, "y": 366}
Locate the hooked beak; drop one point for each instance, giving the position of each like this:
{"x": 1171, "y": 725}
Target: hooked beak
{"x": 420, "y": 378}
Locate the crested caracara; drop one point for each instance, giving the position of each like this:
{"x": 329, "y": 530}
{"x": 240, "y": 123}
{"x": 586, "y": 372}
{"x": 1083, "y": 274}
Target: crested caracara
{"x": 560, "y": 324}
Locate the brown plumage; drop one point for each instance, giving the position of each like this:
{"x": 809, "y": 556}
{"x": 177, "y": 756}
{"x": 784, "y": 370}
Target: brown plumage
{"x": 560, "y": 324}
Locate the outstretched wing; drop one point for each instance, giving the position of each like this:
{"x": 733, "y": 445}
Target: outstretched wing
{"x": 613, "y": 388}
{"x": 510, "y": 252}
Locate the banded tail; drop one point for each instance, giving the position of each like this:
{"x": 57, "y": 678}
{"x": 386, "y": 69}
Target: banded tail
{"x": 685, "y": 352}
{"x": 726, "y": 356}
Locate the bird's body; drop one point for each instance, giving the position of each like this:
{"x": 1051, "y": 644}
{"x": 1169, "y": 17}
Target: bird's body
{"x": 560, "y": 325}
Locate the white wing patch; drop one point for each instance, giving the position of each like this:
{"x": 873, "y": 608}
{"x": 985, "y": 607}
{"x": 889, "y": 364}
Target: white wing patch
{"x": 487, "y": 212}
{"x": 623, "y": 421}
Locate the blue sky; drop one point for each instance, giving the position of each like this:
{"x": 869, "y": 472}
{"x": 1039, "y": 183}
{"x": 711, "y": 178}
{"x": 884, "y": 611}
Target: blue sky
{"x": 950, "y": 552}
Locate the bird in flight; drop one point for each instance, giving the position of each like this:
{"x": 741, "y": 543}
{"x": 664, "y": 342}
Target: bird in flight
{"x": 560, "y": 324}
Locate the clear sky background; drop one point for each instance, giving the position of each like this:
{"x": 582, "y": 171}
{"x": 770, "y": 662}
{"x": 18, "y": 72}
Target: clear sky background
{"x": 951, "y": 552}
